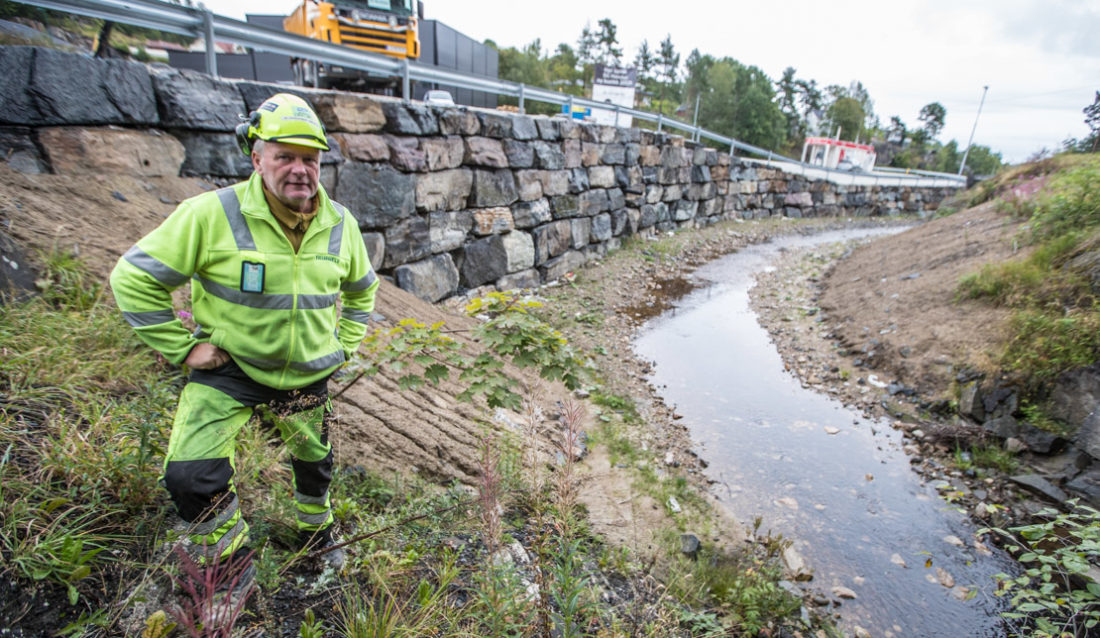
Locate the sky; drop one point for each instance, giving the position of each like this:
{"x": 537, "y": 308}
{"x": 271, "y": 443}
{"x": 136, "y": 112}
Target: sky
{"x": 1039, "y": 58}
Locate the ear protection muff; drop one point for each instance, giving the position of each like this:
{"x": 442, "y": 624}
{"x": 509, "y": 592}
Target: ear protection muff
{"x": 244, "y": 132}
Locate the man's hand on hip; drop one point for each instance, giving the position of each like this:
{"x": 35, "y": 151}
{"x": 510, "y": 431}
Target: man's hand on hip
{"x": 206, "y": 356}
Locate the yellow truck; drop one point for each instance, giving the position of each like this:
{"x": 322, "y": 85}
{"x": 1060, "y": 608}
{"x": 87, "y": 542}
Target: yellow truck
{"x": 389, "y": 27}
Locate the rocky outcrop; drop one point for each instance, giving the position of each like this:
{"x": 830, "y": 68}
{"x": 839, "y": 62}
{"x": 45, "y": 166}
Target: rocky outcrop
{"x": 449, "y": 198}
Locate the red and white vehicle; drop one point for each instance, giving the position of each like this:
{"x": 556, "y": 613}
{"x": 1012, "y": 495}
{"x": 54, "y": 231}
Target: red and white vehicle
{"x": 838, "y": 154}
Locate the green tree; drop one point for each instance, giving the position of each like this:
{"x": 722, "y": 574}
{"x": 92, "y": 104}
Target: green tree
{"x": 740, "y": 102}
{"x": 1092, "y": 118}
{"x": 606, "y": 41}
{"x": 897, "y": 132}
{"x": 981, "y": 160}
{"x": 696, "y": 68}
{"x": 669, "y": 61}
{"x": 947, "y": 158}
{"x": 847, "y": 114}
{"x": 932, "y": 116}
{"x": 644, "y": 62}
{"x": 786, "y": 100}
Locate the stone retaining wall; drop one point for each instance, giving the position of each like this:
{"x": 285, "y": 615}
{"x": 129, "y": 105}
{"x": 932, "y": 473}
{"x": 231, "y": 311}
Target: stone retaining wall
{"x": 447, "y": 198}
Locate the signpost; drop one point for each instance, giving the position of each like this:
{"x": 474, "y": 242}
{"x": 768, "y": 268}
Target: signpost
{"x": 615, "y": 86}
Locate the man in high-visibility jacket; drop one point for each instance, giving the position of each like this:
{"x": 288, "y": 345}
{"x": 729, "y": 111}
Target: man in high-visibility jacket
{"x": 267, "y": 259}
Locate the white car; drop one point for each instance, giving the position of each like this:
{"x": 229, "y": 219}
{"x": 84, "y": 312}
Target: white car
{"x": 442, "y": 98}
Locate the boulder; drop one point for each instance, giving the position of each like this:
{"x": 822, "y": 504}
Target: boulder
{"x": 486, "y": 152}
{"x": 557, "y": 267}
{"x": 524, "y": 128}
{"x": 213, "y": 154}
{"x": 410, "y": 118}
{"x": 1076, "y": 394}
{"x": 613, "y": 154}
{"x": 601, "y": 176}
{"x": 593, "y": 201}
{"x": 363, "y": 147}
{"x": 378, "y": 195}
{"x": 578, "y": 181}
{"x": 87, "y": 151}
{"x": 443, "y": 153}
{"x": 459, "y": 122}
{"x": 529, "y": 184}
{"x": 495, "y": 124}
{"x": 548, "y": 129}
{"x": 551, "y": 240}
{"x": 521, "y": 280}
{"x": 17, "y": 275}
{"x": 602, "y": 227}
{"x": 1088, "y": 435}
{"x": 531, "y": 214}
{"x": 405, "y": 154}
{"x": 430, "y": 279}
{"x": 485, "y": 261}
{"x": 376, "y": 248}
{"x": 492, "y": 221}
{"x": 448, "y": 230}
{"x": 555, "y": 182}
{"x": 581, "y": 229}
{"x": 1039, "y": 485}
{"x": 970, "y": 402}
{"x": 519, "y": 154}
{"x": 40, "y": 86}
{"x": 18, "y": 149}
{"x": 351, "y": 112}
{"x": 519, "y": 250}
{"x": 563, "y": 206}
{"x": 407, "y": 241}
{"x": 193, "y": 100}
{"x": 493, "y": 188}
{"x": 444, "y": 190}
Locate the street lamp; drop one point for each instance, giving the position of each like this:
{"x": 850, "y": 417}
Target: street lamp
{"x": 962, "y": 166}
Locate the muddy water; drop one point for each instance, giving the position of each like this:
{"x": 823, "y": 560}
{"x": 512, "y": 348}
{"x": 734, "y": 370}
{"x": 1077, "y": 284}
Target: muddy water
{"x": 835, "y": 484}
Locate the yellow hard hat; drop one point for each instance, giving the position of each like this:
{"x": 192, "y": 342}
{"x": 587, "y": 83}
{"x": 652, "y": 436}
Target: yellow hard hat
{"x": 282, "y": 118}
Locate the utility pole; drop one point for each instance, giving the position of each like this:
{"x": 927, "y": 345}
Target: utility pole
{"x": 962, "y": 166}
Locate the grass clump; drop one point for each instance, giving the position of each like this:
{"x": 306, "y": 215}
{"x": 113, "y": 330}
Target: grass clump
{"x": 1053, "y": 290}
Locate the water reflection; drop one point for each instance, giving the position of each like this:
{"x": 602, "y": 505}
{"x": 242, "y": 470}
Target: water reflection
{"x": 836, "y": 484}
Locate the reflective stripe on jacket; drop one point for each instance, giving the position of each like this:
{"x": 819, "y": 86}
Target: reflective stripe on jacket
{"x": 273, "y": 310}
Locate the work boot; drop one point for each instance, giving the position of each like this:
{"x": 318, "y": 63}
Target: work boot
{"x": 319, "y": 540}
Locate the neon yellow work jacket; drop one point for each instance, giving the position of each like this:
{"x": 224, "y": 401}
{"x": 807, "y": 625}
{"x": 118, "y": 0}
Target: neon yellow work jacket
{"x": 273, "y": 310}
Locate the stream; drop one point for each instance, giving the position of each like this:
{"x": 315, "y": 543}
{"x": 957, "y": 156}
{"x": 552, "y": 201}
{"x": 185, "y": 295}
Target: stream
{"x": 837, "y": 485}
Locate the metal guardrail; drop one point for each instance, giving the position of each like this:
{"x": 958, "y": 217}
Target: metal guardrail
{"x": 200, "y": 22}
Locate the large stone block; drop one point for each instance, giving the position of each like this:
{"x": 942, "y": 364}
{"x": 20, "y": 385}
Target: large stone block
{"x": 448, "y": 230}
{"x": 548, "y": 129}
{"x": 581, "y": 229}
{"x": 19, "y": 150}
{"x": 531, "y": 214}
{"x": 376, "y": 248}
{"x": 351, "y": 112}
{"x": 363, "y": 147}
{"x": 799, "y": 199}
{"x": 555, "y": 182}
{"x": 552, "y": 239}
{"x": 601, "y": 176}
{"x": 485, "y": 151}
{"x": 521, "y": 280}
{"x": 569, "y": 129}
{"x": 459, "y": 122}
{"x": 41, "y": 86}
{"x": 558, "y": 267}
{"x": 406, "y": 155}
{"x": 614, "y": 154}
{"x": 80, "y": 151}
{"x": 444, "y": 190}
{"x": 549, "y": 155}
{"x": 590, "y": 154}
{"x": 519, "y": 154}
{"x": 594, "y": 201}
{"x": 485, "y": 261}
{"x": 519, "y": 250}
{"x": 443, "y": 153}
{"x": 578, "y": 180}
{"x": 407, "y": 241}
{"x": 571, "y": 150}
{"x": 409, "y": 118}
{"x": 700, "y": 174}
{"x": 430, "y": 279}
{"x": 529, "y": 184}
{"x": 213, "y": 154}
{"x": 615, "y": 199}
{"x": 377, "y": 194}
{"x": 563, "y": 206}
{"x": 619, "y": 219}
{"x": 696, "y": 192}
{"x": 192, "y": 100}
{"x": 495, "y": 124}
{"x": 493, "y": 188}
{"x": 492, "y": 221}
{"x": 684, "y": 210}
{"x": 524, "y": 128}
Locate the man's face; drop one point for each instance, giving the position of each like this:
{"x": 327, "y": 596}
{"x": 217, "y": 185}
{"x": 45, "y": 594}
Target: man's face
{"x": 289, "y": 171}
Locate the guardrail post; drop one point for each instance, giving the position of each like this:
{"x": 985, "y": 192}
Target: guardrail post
{"x": 570, "y": 107}
{"x": 521, "y": 96}
{"x": 660, "y": 121}
{"x": 211, "y": 46}
{"x": 617, "y": 107}
{"x": 405, "y": 95}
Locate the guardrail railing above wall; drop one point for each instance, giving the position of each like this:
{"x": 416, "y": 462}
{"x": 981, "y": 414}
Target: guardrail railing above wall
{"x": 200, "y": 22}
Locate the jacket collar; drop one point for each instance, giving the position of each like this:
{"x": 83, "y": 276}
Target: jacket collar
{"x": 254, "y": 204}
